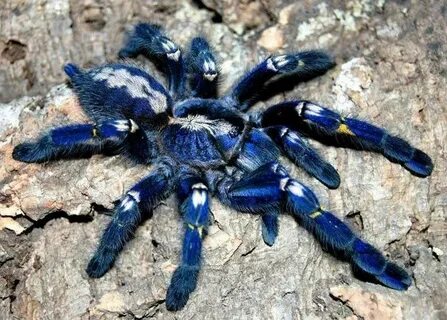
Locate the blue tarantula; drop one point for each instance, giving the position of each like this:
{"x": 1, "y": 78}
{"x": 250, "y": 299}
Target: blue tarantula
{"x": 205, "y": 146}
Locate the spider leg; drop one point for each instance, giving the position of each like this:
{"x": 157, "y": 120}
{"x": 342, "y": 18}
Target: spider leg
{"x": 296, "y": 148}
{"x": 149, "y": 40}
{"x": 329, "y": 127}
{"x": 194, "y": 206}
{"x": 202, "y": 69}
{"x": 138, "y": 201}
{"x": 270, "y": 227}
{"x": 270, "y": 187}
{"x": 299, "y": 65}
{"x": 84, "y": 140}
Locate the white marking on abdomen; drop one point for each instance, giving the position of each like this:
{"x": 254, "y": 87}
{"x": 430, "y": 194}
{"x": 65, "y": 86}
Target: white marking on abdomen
{"x": 136, "y": 86}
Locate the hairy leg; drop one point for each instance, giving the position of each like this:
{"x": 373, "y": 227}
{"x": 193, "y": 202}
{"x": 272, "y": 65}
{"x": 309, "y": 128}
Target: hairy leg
{"x": 202, "y": 69}
{"x": 329, "y": 127}
{"x": 194, "y": 206}
{"x": 300, "y": 65}
{"x": 80, "y": 140}
{"x": 149, "y": 40}
{"x": 297, "y": 149}
{"x": 270, "y": 187}
{"x": 139, "y": 200}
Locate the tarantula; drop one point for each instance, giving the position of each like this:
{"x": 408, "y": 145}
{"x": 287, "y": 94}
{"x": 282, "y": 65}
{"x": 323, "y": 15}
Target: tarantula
{"x": 205, "y": 146}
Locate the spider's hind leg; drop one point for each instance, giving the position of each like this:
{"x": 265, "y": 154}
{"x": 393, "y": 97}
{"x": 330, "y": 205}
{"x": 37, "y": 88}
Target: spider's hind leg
{"x": 202, "y": 69}
{"x": 301, "y": 65}
{"x": 331, "y": 128}
{"x": 138, "y": 201}
{"x": 270, "y": 188}
{"x": 337, "y": 238}
{"x": 194, "y": 206}
{"x": 149, "y": 40}
{"x": 76, "y": 141}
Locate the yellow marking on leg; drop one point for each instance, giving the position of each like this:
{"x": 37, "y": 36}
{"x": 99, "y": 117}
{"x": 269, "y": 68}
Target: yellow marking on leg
{"x": 316, "y": 214}
{"x": 199, "y": 229}
{"x": 95, "y": 132}
{"x": 343, "y": 128}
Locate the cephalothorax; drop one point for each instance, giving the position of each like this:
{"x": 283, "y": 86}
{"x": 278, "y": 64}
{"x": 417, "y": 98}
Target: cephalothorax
{"x": 202, "y": 146}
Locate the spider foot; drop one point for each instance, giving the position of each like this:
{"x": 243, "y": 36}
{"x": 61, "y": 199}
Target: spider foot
{"x": 336, "y": 237}
{"x": 368, "y": 261}
{"x": 101, "y": 262}
{"x": 270, "y": 226}
{"x": 29, "y": 152}
{"x": 183, "y": 282}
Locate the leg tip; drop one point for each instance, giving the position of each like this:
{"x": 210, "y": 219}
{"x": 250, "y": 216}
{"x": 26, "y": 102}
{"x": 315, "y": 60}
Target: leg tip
{"x": 395, "y": 277}
{"x": 420, "y": 165}
{"x": 176, "y": 300}
{"x": 25, "y": 152}
{"x": 330, "y": 177}
{"x": 99, "y": 265}
{"x": 72, "y": 70}
{"x": 269, "y": 228}
{"x": 184, "y": 281}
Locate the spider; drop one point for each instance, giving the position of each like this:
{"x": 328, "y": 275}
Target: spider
{"x": 203, "y": 146}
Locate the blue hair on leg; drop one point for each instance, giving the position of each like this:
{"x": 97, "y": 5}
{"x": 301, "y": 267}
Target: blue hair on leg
{"x": 270, "y": 227}
{"x": 72, "y": 70}
{"x": 84, "y": 140}
{"x": 149, "y": 40}
{"x": 195, "y": 210}
{"x": 118, "y": 232}
{"x": 336, "y": 237}
{"x": 331, "y": 128}
{"x": 202, "y": 69}
{"x": 256, "y": 192}
{"x": 300, "y": 65}
{"x": 138, "y": 201}
{"x": 296, "y": 148}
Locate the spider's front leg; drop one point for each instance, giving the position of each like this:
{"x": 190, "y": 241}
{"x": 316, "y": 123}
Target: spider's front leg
{"x": 202, "y": 69}
{"x": 270, "y": 187}
{"x": 329, "y": 127}
{"x": 149, "y": 40}
{"x": 194, "y": 206}
{"x": 138, "y": 201}
{"x": 301, "y": 65}
{"x": 84, "y": 140}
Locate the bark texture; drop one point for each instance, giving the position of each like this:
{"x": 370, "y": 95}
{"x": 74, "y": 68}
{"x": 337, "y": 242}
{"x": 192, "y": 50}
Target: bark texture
{"x": 391, "y": 70}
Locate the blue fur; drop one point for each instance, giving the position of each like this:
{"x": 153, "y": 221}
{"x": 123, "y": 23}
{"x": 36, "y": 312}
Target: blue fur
{"x": 199, "y": 55}
{"x": 323, "y": 126}
{"x": 72, "y": 134}
{"x": 71, "y": 70}
{"x": 301, "y": 65}
{"x": 127, "y": 216}
{"x": 270, "y": 226}
{"x": 301, "y": 205}
{"x": 203, "y": 146}
{"x": 296, "y": 148}
{"x": 201, "y": 151}
{"x": 366, "y": 131}
{"x": 196, "y": 217}
{"x": 148, "y": 39}
{"x": 258, "y": 191}
{"x": 257, "y": 150}
{"x": 102, "y": 102}
{"x": 117, "y": 233}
